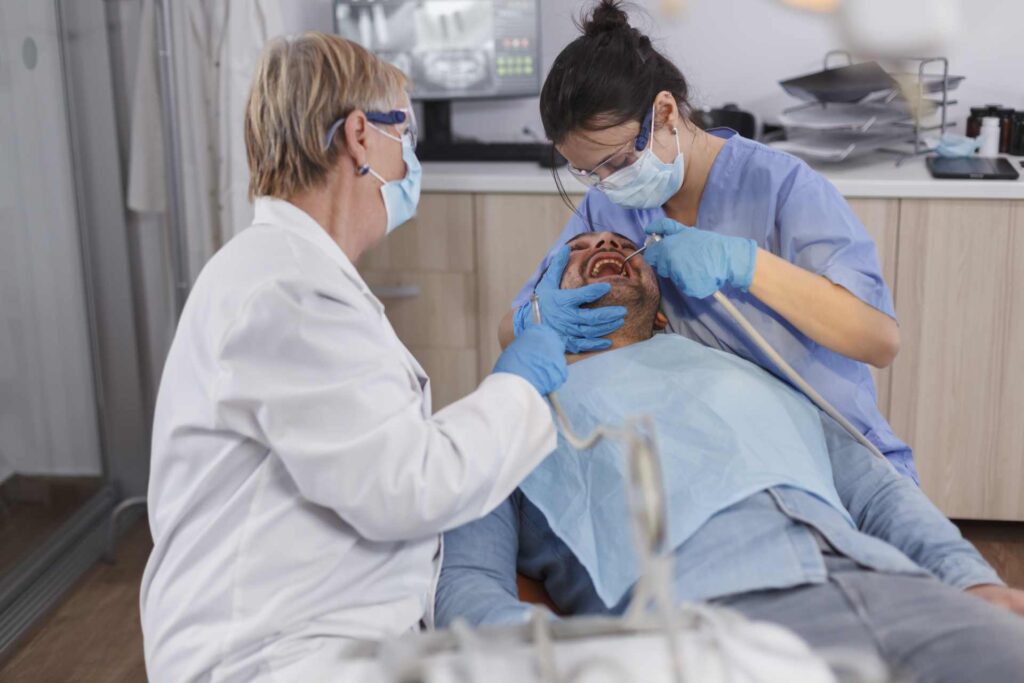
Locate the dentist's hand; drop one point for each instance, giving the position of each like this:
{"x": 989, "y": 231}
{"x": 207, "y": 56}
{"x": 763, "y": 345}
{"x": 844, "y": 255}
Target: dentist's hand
{"x": 700, "y": 262}
{"x": 538, "y": 356}
{"x": 580, "y": 328}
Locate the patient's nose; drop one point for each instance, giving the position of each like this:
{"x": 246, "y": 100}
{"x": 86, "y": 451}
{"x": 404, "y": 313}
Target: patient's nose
{"x": 609, "y": 241}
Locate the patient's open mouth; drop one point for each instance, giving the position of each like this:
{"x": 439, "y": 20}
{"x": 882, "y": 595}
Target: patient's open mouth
{"x": 607, "y": 264}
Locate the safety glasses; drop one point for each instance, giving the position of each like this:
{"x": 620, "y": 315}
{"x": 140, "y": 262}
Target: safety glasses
{"x": 623, "y": 158}
{"x": 394, "y": 117}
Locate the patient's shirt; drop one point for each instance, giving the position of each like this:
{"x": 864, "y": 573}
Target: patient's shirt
{"x": 725, "y": 429}
{"x": 774, "y": 538}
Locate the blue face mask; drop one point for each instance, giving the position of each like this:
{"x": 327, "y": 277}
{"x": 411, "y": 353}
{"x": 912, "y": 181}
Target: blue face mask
{"x": 648, "y": 182}
{"x": 400, "y": 196}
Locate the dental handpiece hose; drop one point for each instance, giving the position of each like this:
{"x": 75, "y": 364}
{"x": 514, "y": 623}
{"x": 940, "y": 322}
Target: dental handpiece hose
{"x": 792, "y": 375}
{"x": 574, "y": 440}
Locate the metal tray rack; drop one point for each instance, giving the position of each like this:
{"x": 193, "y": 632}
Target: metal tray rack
{"x": 888, "y": 113}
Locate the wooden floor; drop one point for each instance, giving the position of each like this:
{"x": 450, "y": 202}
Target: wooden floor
{"x": 1002, "y": 544}
{"x": 95, "y": 634}
{"x": 32, "y": 508}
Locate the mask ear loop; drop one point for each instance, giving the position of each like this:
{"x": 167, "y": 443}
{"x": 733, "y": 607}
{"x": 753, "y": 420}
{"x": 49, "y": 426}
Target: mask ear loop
{"x": 650, "y": 118}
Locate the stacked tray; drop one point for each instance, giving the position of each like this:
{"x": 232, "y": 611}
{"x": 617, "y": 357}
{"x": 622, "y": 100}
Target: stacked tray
{"x": 855, "y": 110}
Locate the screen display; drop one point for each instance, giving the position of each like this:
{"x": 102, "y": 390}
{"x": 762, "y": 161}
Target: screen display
{"x": 450, "y": 48}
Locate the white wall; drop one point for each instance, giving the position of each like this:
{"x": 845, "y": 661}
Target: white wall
{"x": 738, "y": 50}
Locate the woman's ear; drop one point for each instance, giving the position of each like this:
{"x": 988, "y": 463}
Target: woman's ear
{"x": 666, "y": 110}
{"x": 660, "y": 321}
{"x": 356, "y": 129}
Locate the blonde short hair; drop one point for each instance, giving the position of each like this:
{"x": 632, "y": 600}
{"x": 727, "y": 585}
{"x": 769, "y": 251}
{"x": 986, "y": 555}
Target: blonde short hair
{"x": 301, "y": 86}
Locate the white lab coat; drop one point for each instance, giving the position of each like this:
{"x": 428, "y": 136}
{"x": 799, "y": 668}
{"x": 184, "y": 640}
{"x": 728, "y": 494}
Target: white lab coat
{"x": 299, "y": 481}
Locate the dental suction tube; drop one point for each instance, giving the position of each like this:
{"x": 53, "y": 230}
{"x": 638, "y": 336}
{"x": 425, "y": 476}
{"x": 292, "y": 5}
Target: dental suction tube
{"x": 794, "y": 377}
{"x": 760, "y": 342}
{"x": 574, "y": 440}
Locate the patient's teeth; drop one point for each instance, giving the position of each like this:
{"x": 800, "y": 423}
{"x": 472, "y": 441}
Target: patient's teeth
{"x": 617, "y": 263}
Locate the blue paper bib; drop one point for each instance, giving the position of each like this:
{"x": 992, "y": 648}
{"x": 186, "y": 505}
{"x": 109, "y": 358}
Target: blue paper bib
{"x": 725, "y": 430}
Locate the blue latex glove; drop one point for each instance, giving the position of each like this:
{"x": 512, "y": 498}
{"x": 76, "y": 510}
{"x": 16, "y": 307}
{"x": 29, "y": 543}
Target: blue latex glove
{"x": 700, "y": 262}
{"x": 538, "y": 356}
{"x": 580, "y": 328}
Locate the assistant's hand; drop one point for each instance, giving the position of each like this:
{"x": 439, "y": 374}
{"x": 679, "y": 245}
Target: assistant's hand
{"x": 1001, "y": 596}
{"x": 538, "y": 356}
{"x": 580, "y": 328}
{"x": 700, "y": 262}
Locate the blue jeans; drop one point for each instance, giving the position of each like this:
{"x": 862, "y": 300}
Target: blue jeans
{"x": 924, "y": 630}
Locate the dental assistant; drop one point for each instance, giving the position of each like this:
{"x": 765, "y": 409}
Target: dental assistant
{"x": 771, "y": 232}
{"x": 300, "y": 479}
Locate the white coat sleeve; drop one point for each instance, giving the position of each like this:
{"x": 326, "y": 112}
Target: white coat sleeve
{"x": 324, "y": 386}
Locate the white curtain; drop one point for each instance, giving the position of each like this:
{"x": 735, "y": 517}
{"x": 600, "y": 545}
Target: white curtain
{"x": 216, "y": 46}
{"x": 48, "y": 419}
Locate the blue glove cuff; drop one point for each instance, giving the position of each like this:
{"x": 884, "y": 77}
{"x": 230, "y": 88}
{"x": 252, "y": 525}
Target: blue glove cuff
{"x": 519, "y": 318}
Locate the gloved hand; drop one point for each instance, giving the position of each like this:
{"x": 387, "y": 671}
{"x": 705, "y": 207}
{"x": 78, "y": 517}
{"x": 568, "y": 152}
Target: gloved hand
{"x": 580, "y": 328}
{"x": 700, "y": 262}
{"x": 538, "y": 356}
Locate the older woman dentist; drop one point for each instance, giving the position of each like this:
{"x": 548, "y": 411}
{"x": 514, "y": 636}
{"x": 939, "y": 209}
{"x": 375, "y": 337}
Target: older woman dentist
{"x": 300, "y": 479}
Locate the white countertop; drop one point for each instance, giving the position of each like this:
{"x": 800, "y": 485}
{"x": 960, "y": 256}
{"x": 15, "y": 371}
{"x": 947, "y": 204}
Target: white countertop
{"x": 875, "y": 176}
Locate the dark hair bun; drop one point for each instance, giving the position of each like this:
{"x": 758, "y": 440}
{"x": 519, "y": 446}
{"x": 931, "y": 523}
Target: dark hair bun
{"x": 607, "y": 16}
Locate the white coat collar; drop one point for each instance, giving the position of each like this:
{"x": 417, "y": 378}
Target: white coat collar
{"x": 284, "y": 214}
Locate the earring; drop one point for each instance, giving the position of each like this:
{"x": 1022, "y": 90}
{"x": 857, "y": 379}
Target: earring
{"x": 363, "y": 170}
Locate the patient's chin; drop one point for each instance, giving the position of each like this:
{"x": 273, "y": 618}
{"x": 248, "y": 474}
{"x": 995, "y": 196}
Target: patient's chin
{"x": 623, "y": 293}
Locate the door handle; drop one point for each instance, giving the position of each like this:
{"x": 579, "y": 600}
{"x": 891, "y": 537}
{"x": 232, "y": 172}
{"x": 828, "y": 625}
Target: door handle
{"x": 396, "y": 291}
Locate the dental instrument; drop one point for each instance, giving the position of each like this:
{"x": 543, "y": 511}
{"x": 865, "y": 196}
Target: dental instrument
{"x": 641, "y": 250}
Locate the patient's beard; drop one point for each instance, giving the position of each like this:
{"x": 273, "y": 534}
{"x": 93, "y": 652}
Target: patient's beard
{"x": 641, "y": 301}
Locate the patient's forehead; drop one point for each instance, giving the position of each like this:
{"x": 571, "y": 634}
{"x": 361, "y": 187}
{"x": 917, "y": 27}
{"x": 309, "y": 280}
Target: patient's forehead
{"x": 591, "y": 236}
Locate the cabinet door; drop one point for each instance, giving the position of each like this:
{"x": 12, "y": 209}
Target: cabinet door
{"x": 514, "y": 232}
{"x": 881, "y": 217}
{"x": 958, "y": 384}
{"x": 425, "y": 275}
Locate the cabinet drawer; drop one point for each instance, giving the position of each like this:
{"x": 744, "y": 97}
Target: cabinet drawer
{"x": 428, "y": 309}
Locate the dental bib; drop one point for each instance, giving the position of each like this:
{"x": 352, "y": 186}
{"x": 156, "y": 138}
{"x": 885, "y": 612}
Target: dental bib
{"x": 725, "y": 430}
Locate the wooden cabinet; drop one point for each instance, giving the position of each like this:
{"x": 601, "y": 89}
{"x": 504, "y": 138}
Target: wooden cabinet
{"x": 958, "y": 384}
{"x": 881, "y": 219}
{"x": 425, "y": 275}
{"x": 956, "y": 268}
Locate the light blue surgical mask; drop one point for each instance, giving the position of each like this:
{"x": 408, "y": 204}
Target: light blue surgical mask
{"x": 648, "y": 182}
{"x": 400, "y": 196}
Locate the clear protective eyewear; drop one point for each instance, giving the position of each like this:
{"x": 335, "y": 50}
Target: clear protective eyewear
{"x": 394, "y": 117}
{"x": 624, "y": 158}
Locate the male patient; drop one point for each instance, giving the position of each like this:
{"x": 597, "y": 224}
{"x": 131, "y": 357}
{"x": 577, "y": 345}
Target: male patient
{"x": 773, "y": 510}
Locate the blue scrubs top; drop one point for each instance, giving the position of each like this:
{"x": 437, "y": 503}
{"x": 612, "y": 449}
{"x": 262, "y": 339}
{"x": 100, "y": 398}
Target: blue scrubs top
{"x": 792, "y": 211}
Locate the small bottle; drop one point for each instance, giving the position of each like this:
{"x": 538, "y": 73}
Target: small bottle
{"x": 1017, "y": 138}
{"x": 1005, "y": 129}
{"x": 989, "y": 137}
{"x": 973, "y": 128}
